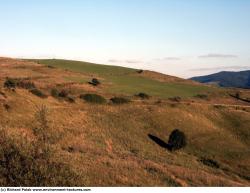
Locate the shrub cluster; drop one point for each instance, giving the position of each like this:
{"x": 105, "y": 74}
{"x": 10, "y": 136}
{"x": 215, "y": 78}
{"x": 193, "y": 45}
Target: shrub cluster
{"x": 25, "y": 84}
{"x": 62, "y": 94}
{"x": 93, "y": 98}
{"x": 119, "y": 100}
{"x": 10, "y": 83}
{"x": 21, "y": 83}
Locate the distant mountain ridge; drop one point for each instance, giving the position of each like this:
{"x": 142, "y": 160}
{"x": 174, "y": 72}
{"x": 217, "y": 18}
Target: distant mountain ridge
{"x": 227, "y": 79}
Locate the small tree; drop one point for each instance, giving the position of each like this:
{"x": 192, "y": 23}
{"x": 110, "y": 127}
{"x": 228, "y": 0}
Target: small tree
{"x": 177, "y": 140}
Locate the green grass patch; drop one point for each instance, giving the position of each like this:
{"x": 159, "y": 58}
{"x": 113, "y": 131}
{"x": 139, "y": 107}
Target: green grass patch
{"x": 126, "y": 80}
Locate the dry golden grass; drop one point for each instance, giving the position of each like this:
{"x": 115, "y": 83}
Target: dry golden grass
{"x": 108, "y": 145}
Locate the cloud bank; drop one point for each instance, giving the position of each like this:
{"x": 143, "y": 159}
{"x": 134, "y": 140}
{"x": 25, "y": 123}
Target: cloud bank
{"x": 218, "y": 56}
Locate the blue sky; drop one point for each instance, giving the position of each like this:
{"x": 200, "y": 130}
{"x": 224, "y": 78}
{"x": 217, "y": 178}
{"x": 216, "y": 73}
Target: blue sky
{"x": 181, "y": 37}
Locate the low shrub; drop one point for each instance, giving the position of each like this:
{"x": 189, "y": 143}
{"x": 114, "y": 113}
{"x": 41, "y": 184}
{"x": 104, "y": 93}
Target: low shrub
{"x": 49, "y": 66}
{"x": 25, "y": 84}
{"x": 139, "y": 71}
{"x": 95, "y": 82}
{"x": 201, "y": 96}
{"x": 119, "y": 100}
{"x": 210, "y": 162}
{"x": 93, "y": 98}
{"x": 63, "y": 93}
{"x": 7, "y": 107}
{"x": 10, "y": 83}
{"x": 143, "y": 95}
{"x": 54, "y": 92}
{"x": 177, "y": 140}
{"x": 38, "y": 93}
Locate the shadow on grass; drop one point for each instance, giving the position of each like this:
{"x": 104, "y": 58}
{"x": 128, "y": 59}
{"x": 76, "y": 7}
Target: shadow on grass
{"x": 160, "y": 142}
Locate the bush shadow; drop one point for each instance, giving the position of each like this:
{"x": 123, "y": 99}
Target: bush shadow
{"x": 160, "y": 142}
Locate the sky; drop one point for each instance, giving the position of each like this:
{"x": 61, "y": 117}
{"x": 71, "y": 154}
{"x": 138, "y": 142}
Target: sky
{"x": 184, "y": 38}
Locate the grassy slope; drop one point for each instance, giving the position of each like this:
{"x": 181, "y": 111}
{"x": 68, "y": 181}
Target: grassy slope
{"x": 127, "y": 81}
{"x": 108, "y": 145}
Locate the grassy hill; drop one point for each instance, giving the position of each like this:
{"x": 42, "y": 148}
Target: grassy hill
{"x": 77, "y": 143}
{"x": 122, "y": 80}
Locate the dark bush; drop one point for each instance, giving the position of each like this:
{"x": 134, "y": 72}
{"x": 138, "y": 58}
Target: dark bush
{"x": 143, "y": 95}
{"x": 119, "y": 100}
{"x": 201, "y": 96}
{"x": 21, "y": 83}
{"x": 10, "y": 83}
{"x": 25, "y": 84}
{"x": 38, "y": 93}
{"x": 177, "y": 140}
{"x": 7, "y": 107}
{"x": 210, "y": 162}
{"x": 139, "y": 71}
{"x": 49, "y": 66}
{"x": 63, "y": 93}
{"x": 54, "y": 92}
{"x": 93, "y": 98}
{"x": 95, "y": 82}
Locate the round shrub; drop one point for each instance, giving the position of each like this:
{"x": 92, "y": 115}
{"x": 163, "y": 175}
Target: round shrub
{"x": 177, "y": 140}
{"x": 93, "y": 98}
{"x": 119, "y": 100}
{"x": 95, "y": 82}
{"x": 139, "y": 71}
{"x": 143, "y": 95}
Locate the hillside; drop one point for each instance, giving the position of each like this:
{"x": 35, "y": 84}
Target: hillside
{"x": 227, "y": 79}
{"x": 49, "y": 131}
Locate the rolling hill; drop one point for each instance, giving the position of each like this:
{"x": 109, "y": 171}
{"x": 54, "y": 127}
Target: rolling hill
{"x": 52, "y": 136}
{"x": 227, "y": 79}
